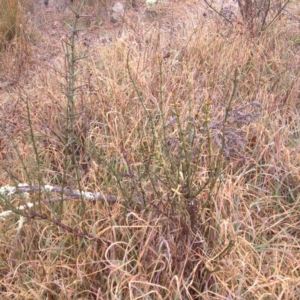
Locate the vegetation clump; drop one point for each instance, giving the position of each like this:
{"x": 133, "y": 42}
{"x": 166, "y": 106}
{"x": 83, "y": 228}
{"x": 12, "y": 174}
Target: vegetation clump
{"x": 153, "y": 158}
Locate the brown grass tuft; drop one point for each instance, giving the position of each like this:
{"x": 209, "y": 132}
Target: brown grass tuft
{"x": 190, "y": 123}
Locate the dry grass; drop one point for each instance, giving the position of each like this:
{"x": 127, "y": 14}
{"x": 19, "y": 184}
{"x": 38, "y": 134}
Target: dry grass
{"x": 192, "y": 124}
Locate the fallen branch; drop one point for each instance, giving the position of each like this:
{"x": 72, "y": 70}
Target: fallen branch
{"x": 8, "y": 191}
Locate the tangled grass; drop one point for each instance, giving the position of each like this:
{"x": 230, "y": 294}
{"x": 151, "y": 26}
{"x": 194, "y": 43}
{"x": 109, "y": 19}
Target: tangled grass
{"x": 192, "y": 128}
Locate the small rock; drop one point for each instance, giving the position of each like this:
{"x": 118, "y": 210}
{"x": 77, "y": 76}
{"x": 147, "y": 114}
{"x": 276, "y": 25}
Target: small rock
{"x": 117, "y": 12}
{"x": 118, "y": 8}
